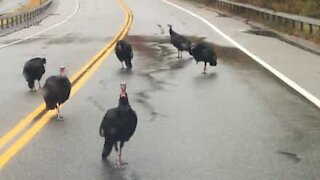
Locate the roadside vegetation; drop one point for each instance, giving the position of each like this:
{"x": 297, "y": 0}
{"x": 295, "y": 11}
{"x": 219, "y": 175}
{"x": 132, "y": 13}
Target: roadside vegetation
{"x": 31, "y": 5}
{"x": 310, "y": 8}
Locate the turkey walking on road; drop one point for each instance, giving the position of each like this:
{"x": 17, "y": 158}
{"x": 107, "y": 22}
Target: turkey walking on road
{"x": 124, "y": 53}
{"x": 56, "y": 91}
{"x": 118, "y": 125}
{"x": 204, "y": 52}
{"x": 179, "y": 41}
{"x": 33, "y": 70}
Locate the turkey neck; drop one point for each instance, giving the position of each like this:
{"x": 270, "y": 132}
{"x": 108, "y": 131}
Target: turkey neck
{"x": 62, "y": 78}
{"x": 171, "y": 31}
{"x": 123, "y": 103}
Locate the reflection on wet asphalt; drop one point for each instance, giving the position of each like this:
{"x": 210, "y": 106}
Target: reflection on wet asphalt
{"x": 291, "y": 156}
{"x": 235, "y": 121}
{"x": 156, "y": 55}
{"x": 160, "y": 56}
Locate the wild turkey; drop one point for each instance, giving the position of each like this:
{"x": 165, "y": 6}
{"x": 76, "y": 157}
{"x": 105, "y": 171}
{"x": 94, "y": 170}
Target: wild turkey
{"x": 56, "y": 91}
{"x": 124, "y": 53}
{"x": 118, "y": 125}
{"x": 179, "y": 41}
{"x": 204, "y": 52}
{"x": 33, "y": 70}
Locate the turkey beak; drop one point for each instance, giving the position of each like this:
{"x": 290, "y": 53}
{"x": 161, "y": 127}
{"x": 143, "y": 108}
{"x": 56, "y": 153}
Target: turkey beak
{"x": 62, "y": 71}
{"x": 123, "y": 88}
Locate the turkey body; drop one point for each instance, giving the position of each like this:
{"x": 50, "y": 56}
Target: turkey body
{"x": 124, "y": 53}
{"x": 178, "y": 41}
{"x": 33, "y": 70}
{"x": 118, "y": 125}
{"x": 56, "y": 91}
{"x": 203, "y": 52}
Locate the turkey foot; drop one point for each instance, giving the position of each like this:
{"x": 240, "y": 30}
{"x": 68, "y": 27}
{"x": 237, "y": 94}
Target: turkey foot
{"x": 122, "y": 67}
{"x": 58, "y": 116}
{"x": 120, "y": 163}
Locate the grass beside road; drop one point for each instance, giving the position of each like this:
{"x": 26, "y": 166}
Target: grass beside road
{"x": 296, "y": 32}
{"x": 30, "y": 5}
{"x": 310, "y": 8}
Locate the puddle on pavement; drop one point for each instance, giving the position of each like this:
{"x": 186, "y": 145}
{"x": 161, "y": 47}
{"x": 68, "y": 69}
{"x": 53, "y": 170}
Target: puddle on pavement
{"x": 275, "y": 35}
{"x": 74, "y": 39}
{"x": 290, "y": 156}
{"x": 157, "y": 55}
{"x": 222, "y": 15}
{"x": 265, "y": 33}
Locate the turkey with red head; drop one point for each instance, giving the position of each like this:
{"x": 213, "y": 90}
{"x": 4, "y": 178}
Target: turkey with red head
{"x": 118, "y": 125}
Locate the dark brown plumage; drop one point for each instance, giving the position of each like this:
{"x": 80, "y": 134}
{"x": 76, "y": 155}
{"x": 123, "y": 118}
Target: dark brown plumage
{"x": 124, "y": 53}
{"x": 204, "y": 52}
{"x": 178, "y": 41}
{"x": 33, "y": 70}
{"x": 118, "y": 125}
{"x": 56, "y": 91}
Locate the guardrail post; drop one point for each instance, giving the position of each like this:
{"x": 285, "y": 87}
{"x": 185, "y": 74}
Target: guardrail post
{"x": 273, "y": 18}
{"x": 285, "y": 21}
{"x": 279, "y": 20}
{"x": 310, "y": 29}
{"x": 265, "y": 16}
{"x": 293, "y": 24}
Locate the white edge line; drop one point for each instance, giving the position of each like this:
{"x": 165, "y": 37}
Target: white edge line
{"x": 45, "y": 30}
{"x": 278, "y": 74}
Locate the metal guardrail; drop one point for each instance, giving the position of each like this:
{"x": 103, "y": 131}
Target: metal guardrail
{"x": 294, "y": 22}
{"x": 11, "y": 20}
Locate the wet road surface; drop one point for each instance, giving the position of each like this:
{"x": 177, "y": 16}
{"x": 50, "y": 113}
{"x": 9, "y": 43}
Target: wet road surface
{"x": 236, "y": 122}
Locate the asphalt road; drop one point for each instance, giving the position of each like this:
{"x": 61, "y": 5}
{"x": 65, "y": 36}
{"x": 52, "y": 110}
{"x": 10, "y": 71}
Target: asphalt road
{"x": 236, "y": 122}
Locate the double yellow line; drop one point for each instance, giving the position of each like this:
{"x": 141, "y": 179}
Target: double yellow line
{"x": 78, "y": 80}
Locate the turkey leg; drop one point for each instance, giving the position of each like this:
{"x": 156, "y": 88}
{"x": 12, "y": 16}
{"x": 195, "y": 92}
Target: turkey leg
{"x": 120, "y": 153}
{"x": 205, "y": 68}
{"x": 119, "y": 159}
{"x": 59, "y": 117}
{"x": 39, "y": 84}
{"x": 122, "y": 67}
